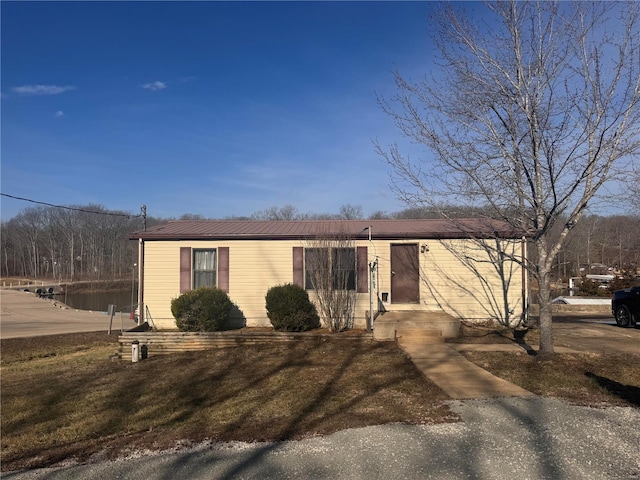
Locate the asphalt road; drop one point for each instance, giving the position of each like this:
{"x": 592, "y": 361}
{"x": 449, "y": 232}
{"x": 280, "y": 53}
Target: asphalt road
{"x": 595, "y": 334}
{"x": 507, "y": 438}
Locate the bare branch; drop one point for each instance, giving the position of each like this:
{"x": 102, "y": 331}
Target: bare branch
{"x": 529, "y": 115}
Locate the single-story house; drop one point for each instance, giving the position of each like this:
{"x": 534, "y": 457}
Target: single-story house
{"x": 467, "y": 268}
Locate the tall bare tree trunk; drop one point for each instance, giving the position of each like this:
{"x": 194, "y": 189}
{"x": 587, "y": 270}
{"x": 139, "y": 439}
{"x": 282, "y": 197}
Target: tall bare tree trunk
{"x": 543, "y": 275}
{"x": 527, "y": 119}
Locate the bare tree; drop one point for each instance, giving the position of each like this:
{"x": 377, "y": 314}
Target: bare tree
{"x": 29, "y": 227}
{"x": 351, "y": 212}
{"x": 630, "y": 196}
{"x": 330, "y": 265}
{"x": 290, "y": 213}
{"x": 531, "y": 111}
{"x": 379, "y": 215}
{"x": 285, "y": 213}
{"x": 74, "y": 243}
{"x": 490, "y": 261}
{"x": 634, "y": 194}
{"x": 191, "y": 216}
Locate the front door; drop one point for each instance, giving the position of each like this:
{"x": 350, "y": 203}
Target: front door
{"x": 405, "y": 274}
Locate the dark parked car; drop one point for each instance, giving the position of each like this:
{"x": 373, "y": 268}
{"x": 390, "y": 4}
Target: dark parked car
{"x": 625, "y": 306}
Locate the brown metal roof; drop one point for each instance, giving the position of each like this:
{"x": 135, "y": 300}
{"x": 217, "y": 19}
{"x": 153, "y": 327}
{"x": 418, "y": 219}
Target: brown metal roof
{"x": 292, "y": 230}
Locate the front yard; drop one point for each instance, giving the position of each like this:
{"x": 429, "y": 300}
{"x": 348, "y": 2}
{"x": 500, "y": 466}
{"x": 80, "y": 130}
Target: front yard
{"x": 62, "y": 398}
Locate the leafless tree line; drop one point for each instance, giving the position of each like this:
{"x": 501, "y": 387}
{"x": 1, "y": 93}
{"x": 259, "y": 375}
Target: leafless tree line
{"x": 86, "y": 243}
{"x": 48, "y": 242}
{"x": 598, "y": 243}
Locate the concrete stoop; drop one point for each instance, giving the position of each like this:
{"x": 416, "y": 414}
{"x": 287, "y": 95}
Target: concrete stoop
{"x": 406, "y": 336}
{"x": 415, "y": 325}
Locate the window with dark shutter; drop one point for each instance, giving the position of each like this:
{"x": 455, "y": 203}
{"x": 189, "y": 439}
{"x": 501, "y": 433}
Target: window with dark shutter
{"x": 330, "y": 268}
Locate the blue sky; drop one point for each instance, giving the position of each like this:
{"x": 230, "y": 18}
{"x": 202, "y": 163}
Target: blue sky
{"x": 212, "y": 108}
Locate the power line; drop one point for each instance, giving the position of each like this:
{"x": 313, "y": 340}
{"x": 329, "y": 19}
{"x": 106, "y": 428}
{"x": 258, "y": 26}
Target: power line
{"x": 73, "y": 208}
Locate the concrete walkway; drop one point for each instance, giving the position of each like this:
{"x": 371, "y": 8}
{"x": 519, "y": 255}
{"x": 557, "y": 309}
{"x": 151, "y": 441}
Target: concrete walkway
{"x": 461, "y": 379}
{"x": 455, "y": 375}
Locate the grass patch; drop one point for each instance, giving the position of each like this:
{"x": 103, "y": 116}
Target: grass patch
{"x": 482, "y": 334}
{"x": 584, "y": 379}
{"x": 62, "y": 398}
{"x": 18, "y": 350}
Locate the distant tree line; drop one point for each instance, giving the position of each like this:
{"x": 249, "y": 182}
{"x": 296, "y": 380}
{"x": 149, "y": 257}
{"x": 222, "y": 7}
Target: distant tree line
{"x": 594, "y": 245}
{"x": 92, "y": 243}
{"x": 599, "y": 243}
{"x": 67, "y": 244}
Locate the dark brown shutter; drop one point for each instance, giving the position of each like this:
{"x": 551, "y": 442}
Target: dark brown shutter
{"x": 223, "y": 269}
{"x": 362, "y": 271}
{"x": 185, "y": 269}
{"x": 298, "y": 266}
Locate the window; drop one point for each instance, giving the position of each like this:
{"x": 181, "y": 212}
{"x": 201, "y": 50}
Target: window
{"x": 316, "y": 263}
{"x": 204, "y": 268}
{"x": 330, "y": 268}
{"x": 343, "y": 268}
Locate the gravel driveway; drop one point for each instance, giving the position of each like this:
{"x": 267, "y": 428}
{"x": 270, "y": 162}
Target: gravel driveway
{"x": 504, "y": 438}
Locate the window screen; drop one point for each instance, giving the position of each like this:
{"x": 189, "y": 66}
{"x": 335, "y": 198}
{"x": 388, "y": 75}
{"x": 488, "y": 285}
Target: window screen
{"x": 204, "y": 268}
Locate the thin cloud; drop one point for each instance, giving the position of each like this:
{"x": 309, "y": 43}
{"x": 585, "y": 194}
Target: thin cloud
{"x": 43, "y": 89}
{"x": 59, "y": 114}
{"x": 155, "y": 86}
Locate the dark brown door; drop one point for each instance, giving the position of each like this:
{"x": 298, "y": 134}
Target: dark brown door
{"x": 405, "y": 274}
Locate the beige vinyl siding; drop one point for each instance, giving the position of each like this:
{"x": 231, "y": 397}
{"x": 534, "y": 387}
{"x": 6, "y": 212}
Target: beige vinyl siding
{"x": 458, "y": 276}
{"x": 447, "y": 284}
{"x": 256, "y": 265}
{"x": 161, "y": 281}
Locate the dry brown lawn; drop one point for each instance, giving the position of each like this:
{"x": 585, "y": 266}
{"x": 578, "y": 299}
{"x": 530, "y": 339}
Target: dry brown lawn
{"x": 592, "y": 379}
{"x": 63, "y": 398}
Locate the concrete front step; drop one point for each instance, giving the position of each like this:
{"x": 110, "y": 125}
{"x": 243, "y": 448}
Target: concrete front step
{"x": 407, "y": 336}
{"x": 386, "y": 325}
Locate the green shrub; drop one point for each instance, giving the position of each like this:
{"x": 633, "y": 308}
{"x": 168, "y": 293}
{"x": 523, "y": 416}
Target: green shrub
{"x": 202, "y": 310}
{"x": 592, "y": 288}
{"x": 290, "y": 310}
{"x": 626, "y": 280}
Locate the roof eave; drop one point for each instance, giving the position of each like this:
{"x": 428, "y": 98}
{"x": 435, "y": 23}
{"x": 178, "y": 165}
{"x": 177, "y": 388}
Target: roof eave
{"x": 401, "y": 236}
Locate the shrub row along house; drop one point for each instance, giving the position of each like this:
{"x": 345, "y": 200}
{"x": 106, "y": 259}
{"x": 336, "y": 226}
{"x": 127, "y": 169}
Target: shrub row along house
{"x": 466, "y": 268}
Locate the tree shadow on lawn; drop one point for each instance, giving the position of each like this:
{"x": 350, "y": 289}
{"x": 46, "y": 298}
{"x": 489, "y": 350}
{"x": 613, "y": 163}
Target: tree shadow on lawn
{"x": 628, "y": 393}
{"x": 251, "y": 393}
{"x": 319, "y": 409}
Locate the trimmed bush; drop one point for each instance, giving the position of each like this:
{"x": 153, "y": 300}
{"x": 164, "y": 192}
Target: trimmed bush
{"x": 290, "y": 310}
{"x": 202, "y": 310}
